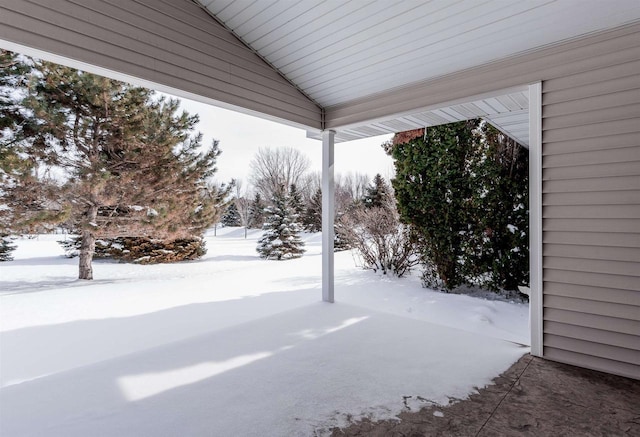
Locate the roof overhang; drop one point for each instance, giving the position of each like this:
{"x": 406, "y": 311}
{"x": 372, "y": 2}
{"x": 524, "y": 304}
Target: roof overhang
{"x": 361, "y": 67}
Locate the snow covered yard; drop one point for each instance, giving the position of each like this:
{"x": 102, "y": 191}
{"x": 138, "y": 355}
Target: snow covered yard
{"x": 232, "y": 344}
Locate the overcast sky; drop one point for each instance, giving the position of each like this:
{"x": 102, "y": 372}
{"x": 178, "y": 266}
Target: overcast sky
{"x": 242, "y": 135}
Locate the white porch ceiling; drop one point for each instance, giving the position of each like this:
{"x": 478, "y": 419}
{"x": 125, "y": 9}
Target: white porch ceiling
{"x": 338, "y": 51}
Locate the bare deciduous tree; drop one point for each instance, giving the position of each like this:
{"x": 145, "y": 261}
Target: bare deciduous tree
{"x": 243, "y": 204}
{"x": 272, "y": 169}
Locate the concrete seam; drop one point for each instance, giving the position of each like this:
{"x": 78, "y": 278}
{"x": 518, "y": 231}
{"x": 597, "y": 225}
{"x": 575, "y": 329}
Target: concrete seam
{"x": 503, "y": 398}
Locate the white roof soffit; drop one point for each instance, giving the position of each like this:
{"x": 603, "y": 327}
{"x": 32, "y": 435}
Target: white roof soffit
{"x": 507, "y": 111}
{"x": 338, "y": 51}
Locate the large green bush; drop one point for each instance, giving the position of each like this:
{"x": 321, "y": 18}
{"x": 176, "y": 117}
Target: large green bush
{"x": 463, "y": 189}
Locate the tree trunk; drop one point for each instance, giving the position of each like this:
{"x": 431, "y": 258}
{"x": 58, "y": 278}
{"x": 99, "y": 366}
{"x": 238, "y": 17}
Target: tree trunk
{"x": 88, "y": 245}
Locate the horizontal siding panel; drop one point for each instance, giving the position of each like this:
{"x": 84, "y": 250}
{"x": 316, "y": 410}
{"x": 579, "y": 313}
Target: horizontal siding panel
{"x": 178, "y": 44}
{"x": 594, "y": 349}
{"x": 590, "y": 117}
{"x": 225, "y": 93}
{"x": 593, "y": 211}
{"x": 593, "y": 279}
{"x": 609, "y": 309}
{"x": 221, "y": 83}
{"x": 595, "y": 363}
{"x": 150, "y": 19}
{"x": 593, "y": 157}
{"x": 580, "y": 92}
{"x": 628, "y": 197}
{"x": 591, "y": 104}
{"x": 610, "y": 267}
{"x": 593, "y": 335}
{"x": 607, "y": 239}
{"x": 628, "y": 254}
{"x": 629, "y": 226}
{"x": 625, "y": 326}
{"x": 629, "y": 168}
{"x": 591, "y": 131}
{"x": 586, "y": 185}
{"x": 597, "y": 75}
{"x": 613, "y": 141}
{"x": 626, "y": 297}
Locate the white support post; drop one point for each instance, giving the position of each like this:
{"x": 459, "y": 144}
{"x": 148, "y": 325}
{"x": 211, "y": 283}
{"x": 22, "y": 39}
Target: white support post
{"x": 328, "y": 206}
{"x": 535, "y": 219}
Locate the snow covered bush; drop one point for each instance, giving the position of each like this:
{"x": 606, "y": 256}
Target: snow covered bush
{"x": 381, "y": 241}
{"x": 281, "y": 239}
{"x": 141, "y": 250}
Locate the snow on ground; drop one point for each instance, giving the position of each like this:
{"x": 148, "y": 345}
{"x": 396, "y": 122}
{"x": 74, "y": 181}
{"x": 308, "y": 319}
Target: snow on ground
{"x": 232, "y": 344}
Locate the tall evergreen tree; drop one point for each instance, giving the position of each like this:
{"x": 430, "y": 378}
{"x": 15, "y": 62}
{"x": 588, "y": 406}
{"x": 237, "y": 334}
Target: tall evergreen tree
{"x": 12, "y": 78}
{"x": 23, "y": 198}
{"x": 312, "y": 218}
{"x": 129, "y": 164}
{"x": 14, "y": 73}
{"x": 433, "y": 193}
{"x": 463, "y": 188}
{"x": 501, "y": 237}
{"x": 281, "y": 239}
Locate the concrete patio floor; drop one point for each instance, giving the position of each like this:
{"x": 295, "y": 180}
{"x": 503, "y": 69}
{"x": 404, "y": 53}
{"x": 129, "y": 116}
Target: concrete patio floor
{"x": 535, "y": 397}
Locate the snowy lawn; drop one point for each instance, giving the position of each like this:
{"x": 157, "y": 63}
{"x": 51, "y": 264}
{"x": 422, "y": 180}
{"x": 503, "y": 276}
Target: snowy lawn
{"x": 232, "y": 345}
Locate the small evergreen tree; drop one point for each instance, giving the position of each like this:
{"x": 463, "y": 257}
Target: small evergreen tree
{"x": 378, "y": 194}
{"x": 296, "y": 200}
{"x": 341, "y": 238}
{"x": 6, "y": 247}
{"x": 256, "y": 212}
{"x": 231, "y": 217}
{"x": 312, "y": 219}
{"x": 281, "y": 239}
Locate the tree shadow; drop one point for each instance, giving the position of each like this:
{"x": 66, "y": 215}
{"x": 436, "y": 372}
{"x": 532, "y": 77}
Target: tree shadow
{"x": 8, "y": 288}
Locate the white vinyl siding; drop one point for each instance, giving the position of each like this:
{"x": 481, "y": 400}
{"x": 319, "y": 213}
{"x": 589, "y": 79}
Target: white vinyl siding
{"x": 591, "y": 212}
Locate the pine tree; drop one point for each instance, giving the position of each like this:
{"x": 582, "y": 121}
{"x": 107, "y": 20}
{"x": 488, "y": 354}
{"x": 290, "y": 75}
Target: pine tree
{"x": 24, "y": 200}
{"x": 256, "y": 212}
{"x": 312, "y": 219}
{"x": 231, "y": 217}
{"x": 132, "y": 167}
{"x": 296, "y": 200}
{"x": 378, "y": 194}
{"x": 6, "y": 247}
{"x": 12, "y": 165}
{"x": 14, "y": 73}
{"x": 281, "y": 239}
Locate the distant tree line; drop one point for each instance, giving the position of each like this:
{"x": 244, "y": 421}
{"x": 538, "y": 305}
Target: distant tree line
{"x": 123, "y": 169}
